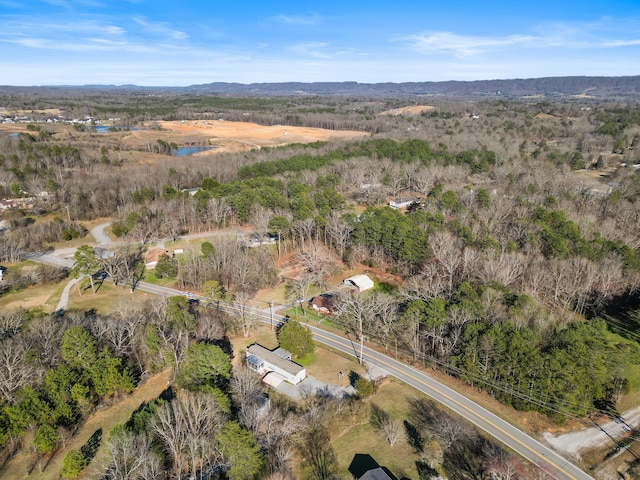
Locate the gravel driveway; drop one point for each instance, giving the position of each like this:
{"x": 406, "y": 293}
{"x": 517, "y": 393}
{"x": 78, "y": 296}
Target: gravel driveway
{"x": 311, "y": 385}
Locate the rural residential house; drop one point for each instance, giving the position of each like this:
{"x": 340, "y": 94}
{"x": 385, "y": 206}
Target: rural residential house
{"x": 152, "y": 256}
{"x": 322, "y": 303}
{"x": 401, "y": 202}
{"x": 361, "y": 282}
{"x": 364, "y": 467}
{"x": 376, "y": 474}
{"x": 278, "y": 362}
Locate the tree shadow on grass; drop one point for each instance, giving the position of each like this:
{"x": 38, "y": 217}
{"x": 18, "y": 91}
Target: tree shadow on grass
{"x": 353, "y": 378}
{"x": 90, "y": 448}
{"x": 413, "y": 437}
{"x": 363, "y": 463}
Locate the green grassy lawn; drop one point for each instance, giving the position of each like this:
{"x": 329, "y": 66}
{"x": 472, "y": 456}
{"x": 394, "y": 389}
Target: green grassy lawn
{"x": 309, "y": 316}
{"x": 150, "y": 277}
{"x": 103, "y": 301}
{"x": 306, "y": 360}
{"x": 362, "y": 438}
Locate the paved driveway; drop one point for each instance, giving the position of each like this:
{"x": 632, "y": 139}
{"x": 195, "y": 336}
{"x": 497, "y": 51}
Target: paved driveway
{"x": 311, "y": 385}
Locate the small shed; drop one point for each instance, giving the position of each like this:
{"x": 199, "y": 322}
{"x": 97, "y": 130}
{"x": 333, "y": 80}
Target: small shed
{"x": 361, "y": 282}
{"x": 191, "y": 191}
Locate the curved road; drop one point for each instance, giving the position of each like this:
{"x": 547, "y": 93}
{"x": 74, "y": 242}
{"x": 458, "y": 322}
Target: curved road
{"x": 537, "y": 453}
{"x": 64, "y": 297}
{"x": 100, "y": 236}
{"x": 531, "y": 449}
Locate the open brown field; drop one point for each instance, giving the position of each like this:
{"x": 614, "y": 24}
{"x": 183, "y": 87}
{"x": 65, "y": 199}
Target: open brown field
{"x": 410, "y": 110}
{"x": 223, "y": 135}
{"x": 236, "y": 136}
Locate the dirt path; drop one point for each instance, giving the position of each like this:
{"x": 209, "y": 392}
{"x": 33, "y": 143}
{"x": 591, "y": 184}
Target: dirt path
{"x": 104, "y": 420}
{"x": 64, "y": 297}
{"x": 573, "y": 443}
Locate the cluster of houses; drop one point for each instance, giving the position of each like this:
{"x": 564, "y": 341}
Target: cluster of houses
{"x": 24, "y": 203}
{"x": 325, "y": 302}
{"x": 277, "y": 365}
{"x": 12, "y": 119}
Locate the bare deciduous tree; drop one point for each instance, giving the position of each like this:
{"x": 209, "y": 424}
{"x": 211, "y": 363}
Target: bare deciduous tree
{"x": 338, "y": 231}
{"x": 132, "y": 458}
{"x": 381, "y": 420}
{"x": 186, "y": 426}
{"x": 15, "y": 370}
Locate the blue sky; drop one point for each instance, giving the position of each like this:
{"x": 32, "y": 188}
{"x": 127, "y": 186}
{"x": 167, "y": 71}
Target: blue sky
{"x": 186, "y": 42}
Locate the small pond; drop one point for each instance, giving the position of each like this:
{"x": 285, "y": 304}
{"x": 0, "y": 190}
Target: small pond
{"x": 113, "y": 128}
{"x": 183, "y": 151}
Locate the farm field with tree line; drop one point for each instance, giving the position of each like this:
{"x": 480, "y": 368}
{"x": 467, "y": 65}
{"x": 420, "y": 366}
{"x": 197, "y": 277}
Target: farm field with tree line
{"x": 515, "y": 270}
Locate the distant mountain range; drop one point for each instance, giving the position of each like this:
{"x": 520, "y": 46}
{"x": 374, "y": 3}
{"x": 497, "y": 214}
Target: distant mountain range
{"x": 586, "y": 87}
{"x": 598, "y": 87}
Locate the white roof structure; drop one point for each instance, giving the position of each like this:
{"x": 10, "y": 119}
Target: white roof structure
{"x": 401, "y": 202}
{"x": 273, "y": 379}
{"x": 361, "y": 282}
{"x": 263, "y": 360}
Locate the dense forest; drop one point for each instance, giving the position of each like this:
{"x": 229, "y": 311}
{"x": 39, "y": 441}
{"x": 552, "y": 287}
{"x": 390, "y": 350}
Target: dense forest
{"x": 523, "y": 236}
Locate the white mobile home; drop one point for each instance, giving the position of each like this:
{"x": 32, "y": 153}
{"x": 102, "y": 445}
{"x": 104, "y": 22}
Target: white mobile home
{"x": 263, "y": 360}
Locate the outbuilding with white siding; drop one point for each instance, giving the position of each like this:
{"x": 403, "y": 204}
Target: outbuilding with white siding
{"x": 361, "y": 282}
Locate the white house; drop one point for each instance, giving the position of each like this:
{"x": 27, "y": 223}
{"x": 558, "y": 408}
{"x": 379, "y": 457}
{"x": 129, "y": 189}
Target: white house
{"x": 401, "y": 202}
{"x": 361, "y": 282}
{"x": 263, "y": 360}
{"x": 191, "y": 191}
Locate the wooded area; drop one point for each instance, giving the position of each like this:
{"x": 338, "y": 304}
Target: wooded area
{"x": 523, "y": 233}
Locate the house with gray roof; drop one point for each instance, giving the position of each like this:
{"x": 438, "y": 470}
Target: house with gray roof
{"x": 262, "y": 360}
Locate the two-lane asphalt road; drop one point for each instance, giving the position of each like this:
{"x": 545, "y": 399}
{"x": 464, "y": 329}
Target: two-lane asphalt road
{"x": 537, "y": 453}
{"x": 531, "y": 449}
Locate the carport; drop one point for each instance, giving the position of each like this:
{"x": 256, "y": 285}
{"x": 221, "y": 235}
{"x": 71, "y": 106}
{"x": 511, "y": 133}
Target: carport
{"x": 273, "y": 379}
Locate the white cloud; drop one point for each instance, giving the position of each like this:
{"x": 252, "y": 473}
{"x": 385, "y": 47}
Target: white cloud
{"x": 461, "y": 45}
{"x": 160, "y": 28}
{"x": 588, "y": 35}
{"x": 311, "y": 49}
{"x": 321, "y": 50}
{"x": 621, "y": 43}
{"x": 300, "y": 20}
{"x": 114, "y": 30}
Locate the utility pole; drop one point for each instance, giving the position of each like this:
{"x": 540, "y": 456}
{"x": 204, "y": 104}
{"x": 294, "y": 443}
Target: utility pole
{"x": 271, "y": 313}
